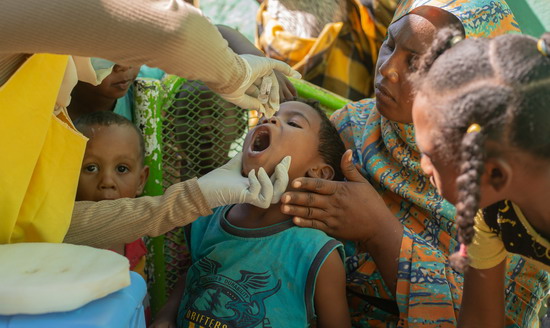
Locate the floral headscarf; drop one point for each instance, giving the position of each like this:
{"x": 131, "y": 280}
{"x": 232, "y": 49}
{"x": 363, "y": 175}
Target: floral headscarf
{"x": 387, "y": 155}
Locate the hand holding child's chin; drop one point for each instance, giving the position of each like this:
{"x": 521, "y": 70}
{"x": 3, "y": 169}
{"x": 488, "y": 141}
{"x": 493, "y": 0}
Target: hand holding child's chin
{"x": 350, "y": 210}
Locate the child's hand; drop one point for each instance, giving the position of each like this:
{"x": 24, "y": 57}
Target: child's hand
{"x": 287, "y": 91}
{"x": 163, "y": 324}
{"x": 226, "y": 185}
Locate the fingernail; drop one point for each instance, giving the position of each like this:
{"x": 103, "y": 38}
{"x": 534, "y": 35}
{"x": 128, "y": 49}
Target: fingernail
{"x": 296, "y": 220}
{"x": 286, "y": 199}
{"x": 296, "y": 184}
{"x": 286, "y": 209}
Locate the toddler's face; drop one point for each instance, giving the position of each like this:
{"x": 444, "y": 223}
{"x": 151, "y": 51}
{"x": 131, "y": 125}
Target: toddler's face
{"x": 112, "y": 167}
{"x": 294, "y": 131}
{"x": 116, "y": 84}
{"x": 440, "y": 170}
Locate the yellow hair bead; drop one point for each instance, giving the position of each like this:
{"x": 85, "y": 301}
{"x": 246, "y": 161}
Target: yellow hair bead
{"x": 456, "y": 39}
{"x": 542, "y": 47}
{"x": 474, "y": 128}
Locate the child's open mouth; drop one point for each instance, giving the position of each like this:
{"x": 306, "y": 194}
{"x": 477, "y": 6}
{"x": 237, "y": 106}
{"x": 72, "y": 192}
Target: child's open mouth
{"x": 261, "y": 140}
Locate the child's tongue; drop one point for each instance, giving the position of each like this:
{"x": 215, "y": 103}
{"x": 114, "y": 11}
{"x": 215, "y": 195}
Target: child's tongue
{"x": 261, "y": 141}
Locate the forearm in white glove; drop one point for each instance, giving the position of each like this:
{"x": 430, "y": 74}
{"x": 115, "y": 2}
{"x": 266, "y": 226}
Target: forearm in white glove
{"x": 226, "y": 185}
{"x": 258, "y": 70}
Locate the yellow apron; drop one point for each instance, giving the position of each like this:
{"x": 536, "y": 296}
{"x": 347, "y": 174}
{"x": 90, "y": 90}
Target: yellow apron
{"x": 41, "y": 154}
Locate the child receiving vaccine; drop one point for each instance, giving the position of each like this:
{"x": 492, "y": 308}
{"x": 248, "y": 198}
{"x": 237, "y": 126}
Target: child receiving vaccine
{"x": 251, "y": 266}
{"x": 482, "y": 117}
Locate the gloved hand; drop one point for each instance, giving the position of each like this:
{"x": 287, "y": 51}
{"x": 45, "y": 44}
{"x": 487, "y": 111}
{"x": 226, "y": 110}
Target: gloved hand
{"x": 260, "y": 71}
{"x": 226, "y": 185}
{"x": 279, "y": 178}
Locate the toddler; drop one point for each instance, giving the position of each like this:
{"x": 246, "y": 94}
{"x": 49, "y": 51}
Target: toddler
{"x": 113, "y": 94}
{"x": 113, "y": 168}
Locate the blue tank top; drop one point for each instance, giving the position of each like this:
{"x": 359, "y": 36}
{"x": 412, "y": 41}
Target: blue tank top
{"x": 252, "y": 277}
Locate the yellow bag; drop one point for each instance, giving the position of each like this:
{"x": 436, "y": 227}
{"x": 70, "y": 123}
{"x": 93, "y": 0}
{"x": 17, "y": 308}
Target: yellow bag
{"x": 41, "y": 154}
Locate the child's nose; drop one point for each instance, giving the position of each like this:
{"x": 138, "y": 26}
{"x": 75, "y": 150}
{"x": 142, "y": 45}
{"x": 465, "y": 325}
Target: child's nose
{"x": 271, "y": 120}
{"x": 106, "y": 181}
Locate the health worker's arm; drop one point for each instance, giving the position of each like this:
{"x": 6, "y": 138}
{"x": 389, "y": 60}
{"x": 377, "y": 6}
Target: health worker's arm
{"x": 105, "y": 223}
{"x": 171, "y": 35}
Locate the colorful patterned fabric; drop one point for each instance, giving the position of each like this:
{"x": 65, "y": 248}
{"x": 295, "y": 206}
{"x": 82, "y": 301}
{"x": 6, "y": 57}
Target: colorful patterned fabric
{"x": 502, "y": 228}
{"x": 428, "y": 291}
{"x": 480, "y": 18}
{"x": 342, "y": 58}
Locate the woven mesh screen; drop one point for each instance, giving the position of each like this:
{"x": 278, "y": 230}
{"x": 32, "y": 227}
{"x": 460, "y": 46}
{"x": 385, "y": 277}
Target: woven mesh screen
{"x": 201, "y": 132}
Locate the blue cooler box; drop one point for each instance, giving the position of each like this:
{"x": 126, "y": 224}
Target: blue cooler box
{"x": 121, "y": 309}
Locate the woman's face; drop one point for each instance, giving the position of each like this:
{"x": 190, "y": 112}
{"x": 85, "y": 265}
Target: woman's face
{"x": 407, "y": 39}
{"x": 441, "y": 171}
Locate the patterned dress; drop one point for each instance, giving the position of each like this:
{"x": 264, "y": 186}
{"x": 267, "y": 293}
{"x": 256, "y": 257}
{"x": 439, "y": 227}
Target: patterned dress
{"x": 429, "y": 291}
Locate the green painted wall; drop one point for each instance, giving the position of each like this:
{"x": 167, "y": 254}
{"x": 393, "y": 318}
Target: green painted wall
{"x": 532, "y": 15}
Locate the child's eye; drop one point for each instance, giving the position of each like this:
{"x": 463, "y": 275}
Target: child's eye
{"x": 122, "y": 169}
{"x": 91, "y": 168}
{"x": 294, "y": 124}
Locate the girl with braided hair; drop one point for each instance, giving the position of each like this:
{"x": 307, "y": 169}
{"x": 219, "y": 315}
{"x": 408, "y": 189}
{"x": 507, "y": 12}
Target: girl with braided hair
{"x": 482, "y": 128}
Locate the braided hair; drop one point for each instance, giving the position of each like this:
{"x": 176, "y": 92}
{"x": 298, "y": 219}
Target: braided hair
{"x": 501, "y": 88}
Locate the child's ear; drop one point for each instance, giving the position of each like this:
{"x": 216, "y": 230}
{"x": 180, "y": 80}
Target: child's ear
{"x": 143, "y": 175}
{"x": 322, "y": 171}
{"x": 497, "y": 175}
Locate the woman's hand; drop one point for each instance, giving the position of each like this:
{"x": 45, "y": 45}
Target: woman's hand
{"x": 350, "y": 210}
{"x": 347, "y": 210}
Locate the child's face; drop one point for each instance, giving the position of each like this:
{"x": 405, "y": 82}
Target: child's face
{"x": 408, "y": 38}
{"x": 441, "y": 171}
{"x": 116, "y": 84}
{"x": 112, "y": 167}
{"x": 294, "y": 131}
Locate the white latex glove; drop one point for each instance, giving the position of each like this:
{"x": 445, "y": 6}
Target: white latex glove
{"x": 248, "y": 94}
{"x": 226, "y": 185}
{"x": 280, "y": 179}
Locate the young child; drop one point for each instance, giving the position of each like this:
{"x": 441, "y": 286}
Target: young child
{"x": 482, "y": 117}
{"x": 252, "y": 267}
{"x": 110, "y": 95}
{"x": 113, "y": 168}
